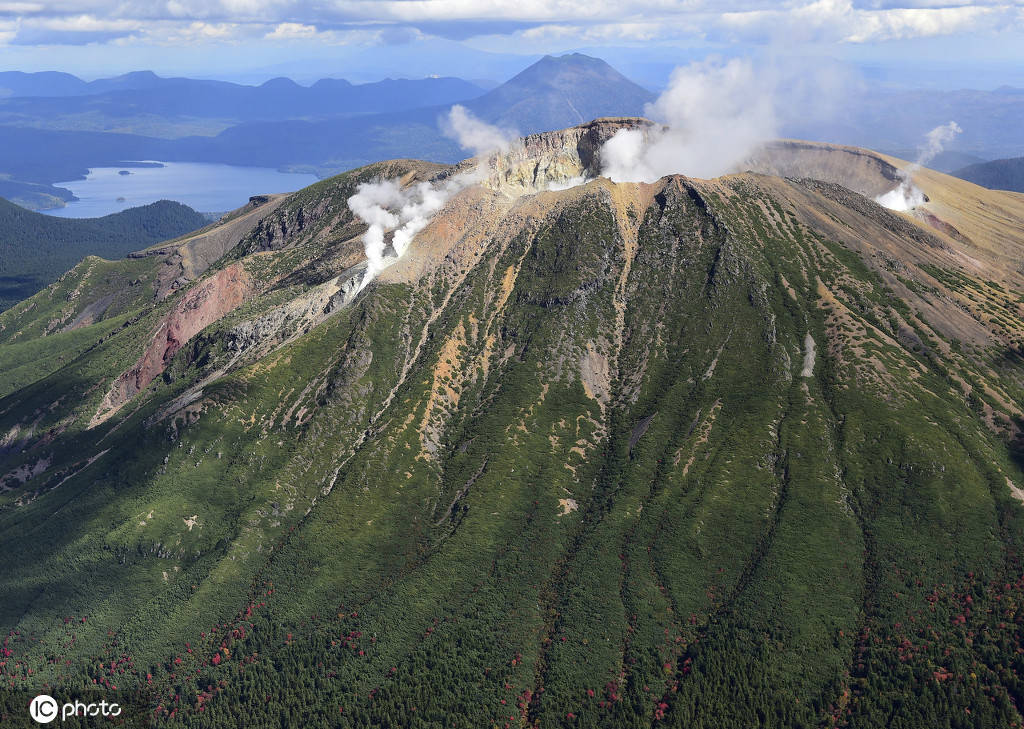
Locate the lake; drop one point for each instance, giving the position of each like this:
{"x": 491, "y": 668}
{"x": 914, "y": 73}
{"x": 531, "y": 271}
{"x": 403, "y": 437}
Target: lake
{"x": 208, "y": 188}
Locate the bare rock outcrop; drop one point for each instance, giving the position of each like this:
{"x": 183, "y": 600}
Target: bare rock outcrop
{"x": 859, "y": 170}
{"x": 206, "y": 303}
{"x": 295, "y": 317}
{"x": 551, "y": 159}
{"x": 188, "y": 258}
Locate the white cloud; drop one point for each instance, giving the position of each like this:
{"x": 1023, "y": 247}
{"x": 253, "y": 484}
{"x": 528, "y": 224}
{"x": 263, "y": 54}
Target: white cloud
{"x": 82, "y": 24}
{"x": 522, "y": 10}
{"x": 164, "y": 33}
{"x": 199, "y": 31}
{"x": 292, "y": 31}
{"x": 228, "y": 10}
{"x": 20, "y": 8}
{"x": 565, "y": 22}
{"x": 897, "y": 24}
{"x": 841, "y": 21}
{"x": 8, "y": 31}
{"x": 648, "y": 30}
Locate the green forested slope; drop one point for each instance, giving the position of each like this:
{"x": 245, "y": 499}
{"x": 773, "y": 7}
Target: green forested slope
{"x": 35, "y": 249}
{"x": 696, "y": 454}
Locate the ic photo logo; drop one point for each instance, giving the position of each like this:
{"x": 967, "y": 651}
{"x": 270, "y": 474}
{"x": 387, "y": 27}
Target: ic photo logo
{"x": 45, "y": 709}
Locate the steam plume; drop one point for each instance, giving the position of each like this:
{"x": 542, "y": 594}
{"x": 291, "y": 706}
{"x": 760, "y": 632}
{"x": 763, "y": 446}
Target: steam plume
{"x": 937, "y": 138}
{"x": 568, "y": 182}
{"x": 907, "y": 195}
{"x": 386, "y": 207}
{"x": 370, "y": 204}
{"x": 475, "y": 135}
{"x": 716, "y": 114}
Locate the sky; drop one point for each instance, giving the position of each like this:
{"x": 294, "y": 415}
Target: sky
{"x": 936, "y": 43}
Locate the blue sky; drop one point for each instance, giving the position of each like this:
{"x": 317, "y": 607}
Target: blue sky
{"x": 915, "y": 42}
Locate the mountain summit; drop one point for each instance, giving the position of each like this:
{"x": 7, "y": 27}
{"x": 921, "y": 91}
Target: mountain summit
{"x": 560, "y": 91}
{"x": 710, "y": 454}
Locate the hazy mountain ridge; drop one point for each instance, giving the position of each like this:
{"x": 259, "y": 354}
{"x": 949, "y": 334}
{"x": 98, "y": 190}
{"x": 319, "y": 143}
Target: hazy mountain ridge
{"x": 999, "y": 174}
{"x": 335, "y": 144}
{"x": 587, "y": 457}
{"x": 333, "y": 126}
{"x": 281, "y": 98}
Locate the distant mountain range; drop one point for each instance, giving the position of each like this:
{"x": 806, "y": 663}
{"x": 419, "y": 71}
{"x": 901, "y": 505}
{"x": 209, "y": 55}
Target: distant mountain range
{"x": 55, "y": 126}
{"x": 551, "y": 94}
{"x": 999, "y": 174}
{"x": 328, "y": 127}
{"x": 56, "y": 83}
{"x": 126, "y": 97}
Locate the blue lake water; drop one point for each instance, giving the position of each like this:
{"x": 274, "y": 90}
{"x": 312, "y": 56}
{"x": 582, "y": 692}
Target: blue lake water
{"x": 208, "y": 188}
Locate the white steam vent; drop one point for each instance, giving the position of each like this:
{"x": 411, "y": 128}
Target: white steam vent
{"x": 906, "y": 195}
{"x": 386, "y": 206}
{"x": 714, "y": 113}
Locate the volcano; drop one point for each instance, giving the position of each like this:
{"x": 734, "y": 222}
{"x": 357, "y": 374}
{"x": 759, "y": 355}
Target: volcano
{"x": 717, "y": 453}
